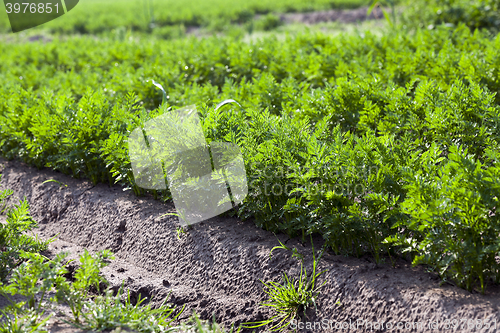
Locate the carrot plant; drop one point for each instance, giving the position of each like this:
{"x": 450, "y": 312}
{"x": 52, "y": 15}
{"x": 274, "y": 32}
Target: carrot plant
{"x": 76, "y": 294}
{"x": 36, "y": 276}
{"x": 13, "y": 238}
{"x": 3, "y": 198}
{"x": 452, "y": 222}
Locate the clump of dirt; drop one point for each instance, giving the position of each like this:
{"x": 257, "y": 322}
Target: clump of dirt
{"x": 216, "y": 267}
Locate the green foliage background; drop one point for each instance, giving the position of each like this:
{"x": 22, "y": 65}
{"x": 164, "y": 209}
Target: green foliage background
{"x": 476, "y": 14}
{"x": 96, "y": 16}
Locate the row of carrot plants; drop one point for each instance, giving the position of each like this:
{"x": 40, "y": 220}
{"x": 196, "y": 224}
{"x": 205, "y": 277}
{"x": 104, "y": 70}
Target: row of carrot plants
{"x": 383, "y": 145}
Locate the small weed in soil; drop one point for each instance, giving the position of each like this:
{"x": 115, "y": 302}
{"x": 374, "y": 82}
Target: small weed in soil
{"x": 27, "y": 323}
{"x": 292, "y": 295}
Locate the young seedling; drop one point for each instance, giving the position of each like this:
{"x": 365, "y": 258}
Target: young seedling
{"x": 180, "y": 231}
{"x": 33, "y": 279}
{"x": 3, "y": 197}
{"x": 55, "y": 181}
{"x": 14, "y": 240}
{"x": 87, "y": 275}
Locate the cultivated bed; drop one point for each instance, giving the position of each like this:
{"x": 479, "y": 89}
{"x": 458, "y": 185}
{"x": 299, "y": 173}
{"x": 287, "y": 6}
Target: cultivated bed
{"x": 215, "y": 267}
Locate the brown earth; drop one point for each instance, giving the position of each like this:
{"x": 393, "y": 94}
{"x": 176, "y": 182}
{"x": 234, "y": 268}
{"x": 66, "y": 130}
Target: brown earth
{"x": 216, "y": 267}
{"x": 338, "y": 15}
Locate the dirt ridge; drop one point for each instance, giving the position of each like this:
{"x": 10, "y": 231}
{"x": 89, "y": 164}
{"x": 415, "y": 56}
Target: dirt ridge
{"x": 333, "y": 15}
{"x": 217, "y": 266}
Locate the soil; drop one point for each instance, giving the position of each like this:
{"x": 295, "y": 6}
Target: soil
{"x": 215, "y": 268}
{"x": 339, "y": 15}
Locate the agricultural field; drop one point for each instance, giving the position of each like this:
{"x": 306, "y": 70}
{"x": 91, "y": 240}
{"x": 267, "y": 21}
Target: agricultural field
{"x": 376, "y": 141}
{"x": 96, "y": 17}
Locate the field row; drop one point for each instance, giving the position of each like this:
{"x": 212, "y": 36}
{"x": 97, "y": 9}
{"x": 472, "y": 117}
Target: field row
{"x": 172, "y": 19}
